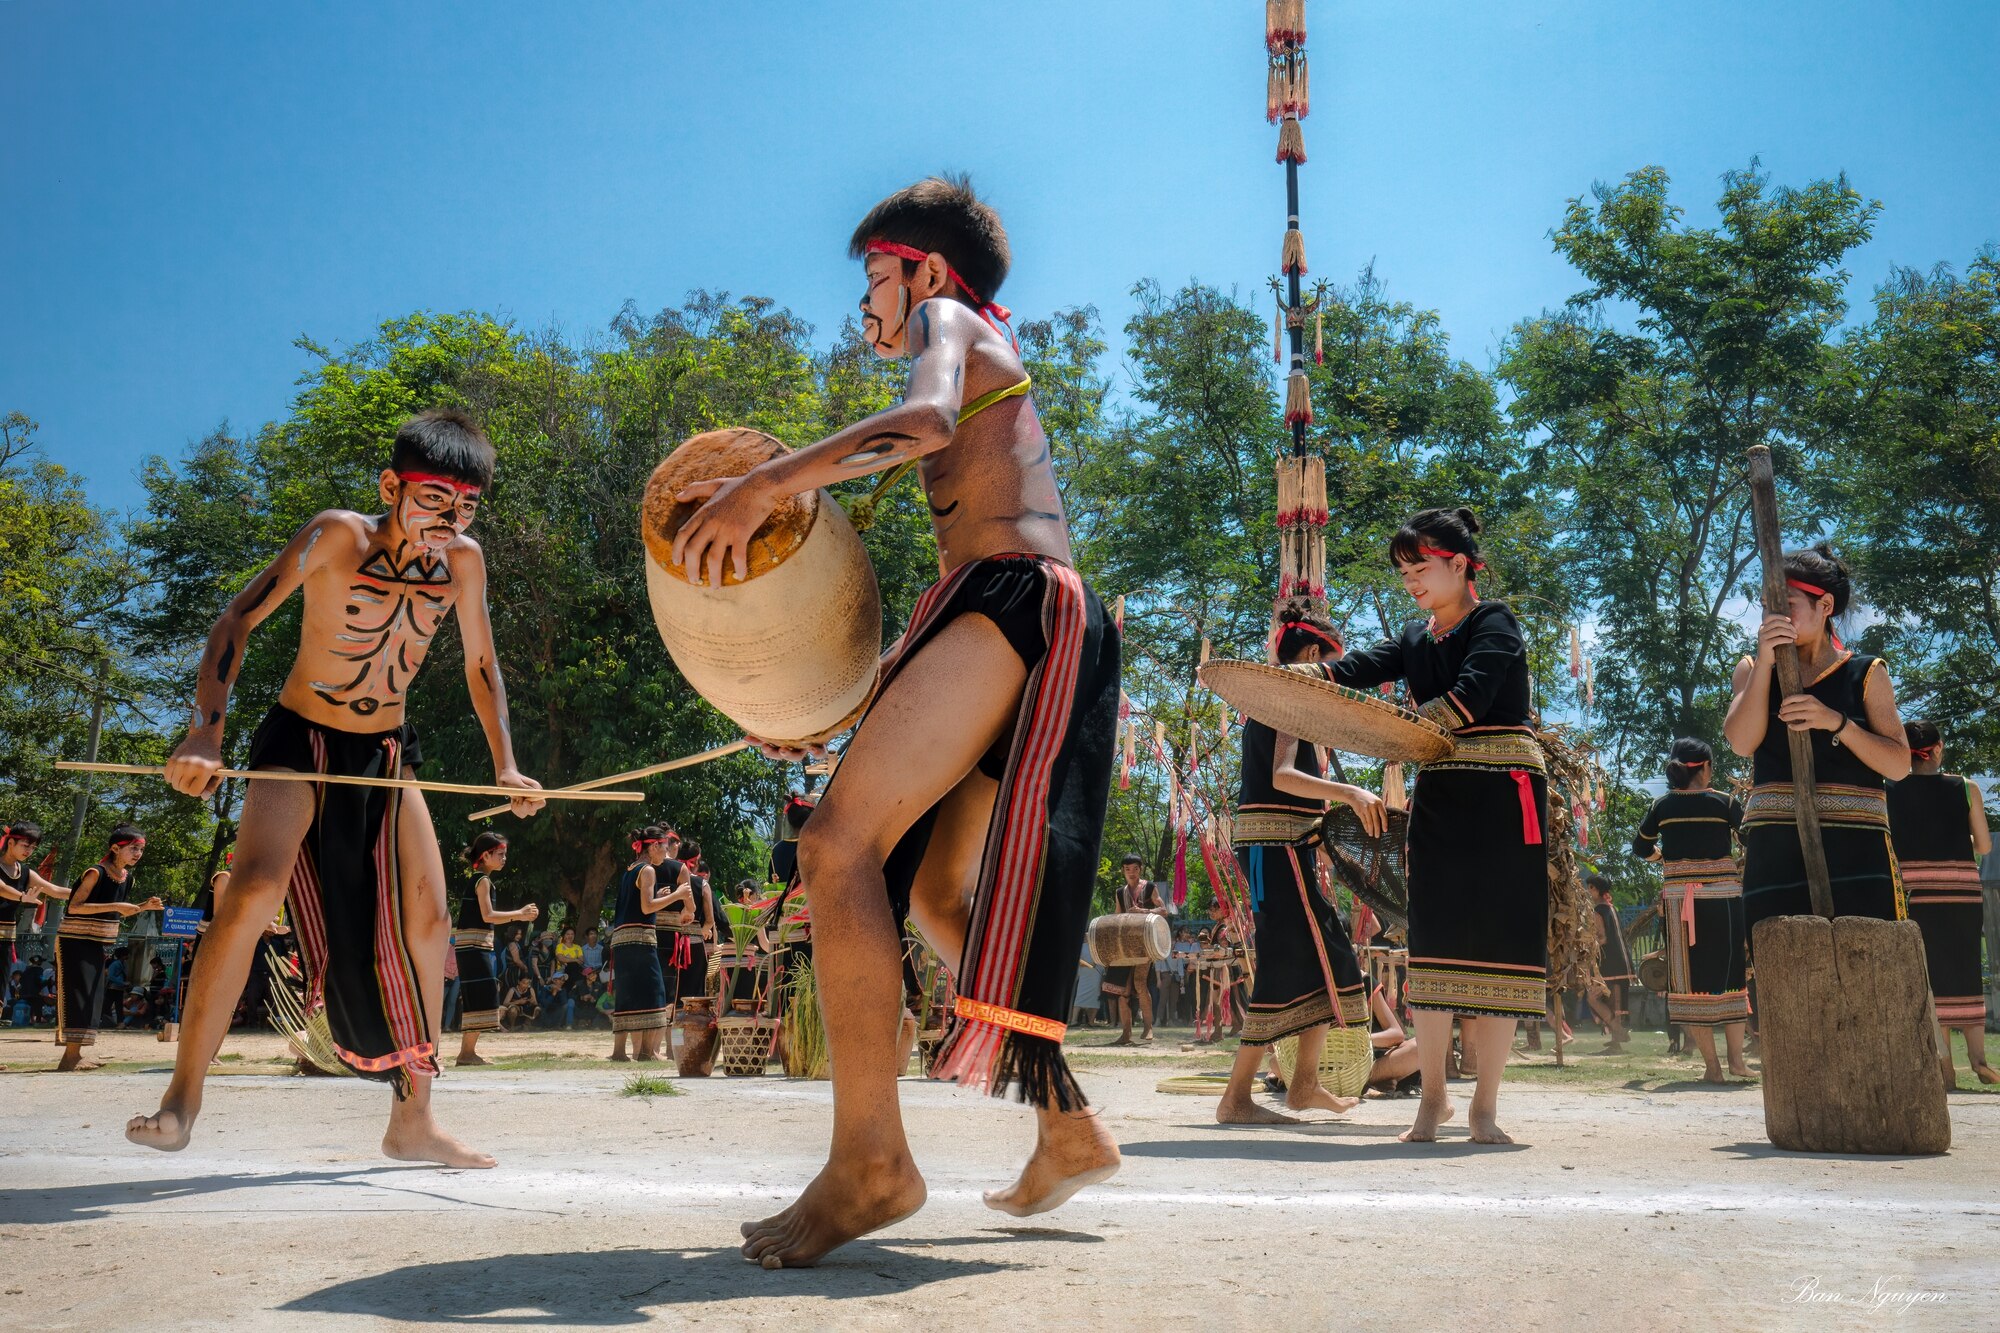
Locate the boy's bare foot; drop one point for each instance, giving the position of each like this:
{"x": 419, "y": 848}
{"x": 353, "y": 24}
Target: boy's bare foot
{"x": 1125, "y": 1040}
{"x": 1743, "y": 1071}
{"x": 70, "y": 1064}
{"x": 1071, "y": 1151}
{"x": 1317, "y": 1098}
{"x": 1986, "y": 1073}
{"x": 1713, "y": 1074}
{"x": 846, "y": 1200}
{"x": 645, "y": 1057}
{"x": 621, "y": 1057}
{"x": 1430, "y": 1114}
{"x": 1484, "y": 1129}
{"x": 465, "y": 1060}
{"x": 1243, "y": 1111}
{"x": 420, "y": 1140}
{"x": 166, "y": 1130}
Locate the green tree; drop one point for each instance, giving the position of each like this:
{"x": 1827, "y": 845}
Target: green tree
{"x": 1917, "y": 493}
{"x": 1637, "y": 401}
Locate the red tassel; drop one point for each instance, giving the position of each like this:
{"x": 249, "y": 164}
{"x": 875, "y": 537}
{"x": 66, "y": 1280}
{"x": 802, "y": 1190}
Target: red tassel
{"x": 1531, "y": 816}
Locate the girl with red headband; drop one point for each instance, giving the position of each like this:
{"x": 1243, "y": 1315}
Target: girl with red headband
{"x": 472, "y": 942}
{"x": 971, "y": 798}
{"x": 1307, "y": 975}
{"x": 1478, "y": 866}
{"x": 98, "y": 902}
{"x": 1937, "y": 822}
{"x": 639, "y": 1006}
{"x": 1848, "y": 706}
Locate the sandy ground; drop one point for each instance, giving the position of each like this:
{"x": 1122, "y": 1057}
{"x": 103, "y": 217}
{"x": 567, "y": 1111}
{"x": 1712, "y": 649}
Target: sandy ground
{"x": 1656, "y": 1205}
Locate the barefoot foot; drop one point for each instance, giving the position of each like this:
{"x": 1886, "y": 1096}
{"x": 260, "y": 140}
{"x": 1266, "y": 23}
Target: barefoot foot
{"x": 1247, "y": 1112}
{"x": 1986, "y": 1073}
{"x": 843, "y": 1202}
{"x": 619, "y": 1057}
{"x": 422, "y": 1141}
{"x": 1071, "y": 1152}
{"x": 466, "y": 1061}
{"x": 1484, "y": 1129}
{"x": 1317, "y": 1098}
{"x": 166, "y": 1130}
{"x": 1430, "y": 1114}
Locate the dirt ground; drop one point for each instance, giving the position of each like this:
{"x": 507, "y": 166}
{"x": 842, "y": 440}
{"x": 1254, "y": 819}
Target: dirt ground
{"x": 1635, "y": 1199}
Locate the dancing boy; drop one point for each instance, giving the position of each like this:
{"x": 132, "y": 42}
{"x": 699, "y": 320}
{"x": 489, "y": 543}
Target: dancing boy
{"x": 985, "y": 757}
{"x": 361, "y": 864}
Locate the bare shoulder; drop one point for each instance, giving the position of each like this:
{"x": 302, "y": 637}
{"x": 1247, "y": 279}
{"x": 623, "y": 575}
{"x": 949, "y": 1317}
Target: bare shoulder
{"x": 332, "y": 531}
{"x": 1744, "y": 666}
{"x": 465, "y": 556}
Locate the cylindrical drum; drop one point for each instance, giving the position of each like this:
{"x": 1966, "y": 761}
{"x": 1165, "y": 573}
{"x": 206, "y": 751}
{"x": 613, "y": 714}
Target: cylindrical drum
{"x": 790, "y": 652}
{"x": 1129, "y": 939}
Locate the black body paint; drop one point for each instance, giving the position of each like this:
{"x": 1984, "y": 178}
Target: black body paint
{"x": 264, "y": 596}
{"x": 224, "y": 662}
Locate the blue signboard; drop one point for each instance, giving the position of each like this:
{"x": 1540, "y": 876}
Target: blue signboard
{"x": 181, "y": 923}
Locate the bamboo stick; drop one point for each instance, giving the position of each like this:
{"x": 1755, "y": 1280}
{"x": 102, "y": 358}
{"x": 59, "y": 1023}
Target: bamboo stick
{"x": 341, "y": 779}
{"x": 685, "y": 761}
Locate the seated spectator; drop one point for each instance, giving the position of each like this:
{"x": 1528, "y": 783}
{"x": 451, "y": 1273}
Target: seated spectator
{"x": 568, "y": 950}
{"x": 1395, "y": 1052}
{"x": 520, "y": 1007}
{"x": 559, "y": 1003}
{"x": 593, "y": 952}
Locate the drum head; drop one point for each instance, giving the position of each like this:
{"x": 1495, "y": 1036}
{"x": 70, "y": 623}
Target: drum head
{"x": 721, "y": 453}
{"x": 1300, "y": 702}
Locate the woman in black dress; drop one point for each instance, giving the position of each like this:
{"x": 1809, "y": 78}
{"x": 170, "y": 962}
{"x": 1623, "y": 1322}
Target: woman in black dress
{"x": 99, "y": 900}
{"x": 472, "y": 941}
{"x": 638, "y": 987}
{"x": 1848, "y": 704}
{"x": 1691, "y": 831}
{"x": 1938, "y": 823}
{"x": 1478, "y": 868}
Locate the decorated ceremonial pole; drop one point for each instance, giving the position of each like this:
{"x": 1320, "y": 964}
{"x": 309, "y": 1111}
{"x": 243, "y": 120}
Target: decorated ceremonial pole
{"x": 1302, "y": 510}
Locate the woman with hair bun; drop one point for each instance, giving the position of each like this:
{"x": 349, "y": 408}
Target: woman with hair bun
{"x": 1691, "y": 831}
{"x": 638, "y": 983}
{"x": 1937, "y": 821}
{"x": 1848, "y": 705}
{"x": 1478, "y": 867}
{"x": 472, "y": 941}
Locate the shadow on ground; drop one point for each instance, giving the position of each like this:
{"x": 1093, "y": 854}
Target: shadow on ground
{"x": 82, "y": 1203}
{"x": 606, "y": 1287}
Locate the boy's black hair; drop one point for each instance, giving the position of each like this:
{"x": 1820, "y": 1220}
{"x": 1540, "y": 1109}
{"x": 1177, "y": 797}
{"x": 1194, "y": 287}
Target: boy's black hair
{"x": 690, "y": 850}
{"x": 124, "y": 833}
{"x": 1133, "y": 859}
{"x": 1454, "y": 530}
{"x": 941, "y": 215}
{"x": 25, "y": 828}
{"x": 1921, "y": 735}
{"x": 1597, "y": 883}
{"x": 447, "y": 442}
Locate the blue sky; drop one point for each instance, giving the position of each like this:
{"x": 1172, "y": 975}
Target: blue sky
{"x": 190, "y": 187}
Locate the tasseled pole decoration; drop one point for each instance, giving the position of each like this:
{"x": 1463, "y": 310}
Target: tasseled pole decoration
{"x": 1278, "y": 334}
{"x": 1291, "y": 141}
{"x": 1575, "y": 653}
{"x": 1293, "y": 259}
{"x": 1298, "y": 399}
{"x": 1319, "y": 332}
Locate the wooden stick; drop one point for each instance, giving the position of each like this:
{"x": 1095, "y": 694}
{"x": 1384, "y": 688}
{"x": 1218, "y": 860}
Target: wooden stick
{"x": 341, "y": 779}
{"x": 1764, "y": 512}
{"x": 686, "y": 761}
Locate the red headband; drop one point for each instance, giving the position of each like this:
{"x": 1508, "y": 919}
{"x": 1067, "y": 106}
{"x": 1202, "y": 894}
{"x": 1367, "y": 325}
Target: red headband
{"x": 127, "y": 842}
{"x": 1443, "y": 554}
{"x": 1808, "y": 589}
{"x": 452, "y": 483}
{"x": 1928, "y": 752}
{"x": 1315, "y": 631}
{"x": 995, "y": 314}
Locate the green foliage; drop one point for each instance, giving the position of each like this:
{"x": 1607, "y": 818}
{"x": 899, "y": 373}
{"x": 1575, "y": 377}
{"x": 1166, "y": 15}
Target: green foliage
{"x": 648, "y": 1086}
{"x": 1920, "y": 503}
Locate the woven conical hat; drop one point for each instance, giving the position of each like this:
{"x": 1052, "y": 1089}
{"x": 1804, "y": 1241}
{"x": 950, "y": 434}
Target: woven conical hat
{"x": 790, "y": 652}
{"x": 1299, "y": 702}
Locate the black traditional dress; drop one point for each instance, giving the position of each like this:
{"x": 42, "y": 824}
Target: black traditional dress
{"x": 1701, "y": 904}
{"x": 1306, "y": 973}
{"x": 638, "y": 990}
{"x": 10, "y": 912}
{"x": 478, "y": 985}
{"x": 1853, "y": 814}
{"x": 1478, "y": 868}
{"x": 1931, "y": 825}
{"x": 84, "y": 942}
{"x": 683, "y": 954}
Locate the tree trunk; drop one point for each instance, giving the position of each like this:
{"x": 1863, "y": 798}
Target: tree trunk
{"x": 1849, "y": 1034}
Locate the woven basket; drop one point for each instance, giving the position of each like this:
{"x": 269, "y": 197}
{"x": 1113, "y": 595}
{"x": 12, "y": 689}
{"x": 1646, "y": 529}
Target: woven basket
{"x": 744, "y": 1047}
{"x": 1344, "y": 1061}
{"x": 1371, "y": 868}
{"x": 1300, "y": 702}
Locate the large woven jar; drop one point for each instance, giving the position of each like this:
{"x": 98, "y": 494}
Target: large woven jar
{"x": 790, "y": 652}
